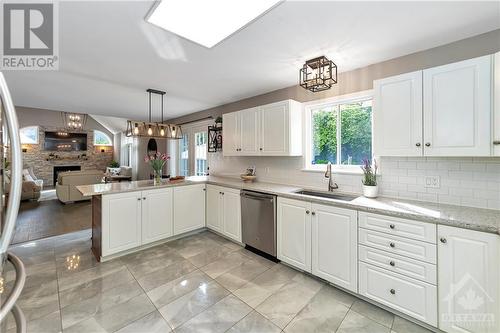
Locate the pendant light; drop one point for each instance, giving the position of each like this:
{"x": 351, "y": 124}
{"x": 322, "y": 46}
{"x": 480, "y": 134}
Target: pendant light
{"x": 153, "y": 129}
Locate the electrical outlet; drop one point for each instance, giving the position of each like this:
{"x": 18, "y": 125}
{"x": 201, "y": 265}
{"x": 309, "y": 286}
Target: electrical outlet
{"x": 432, "y": 182}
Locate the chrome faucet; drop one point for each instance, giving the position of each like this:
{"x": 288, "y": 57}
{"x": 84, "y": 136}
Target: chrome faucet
{"x": 328, "y": 174}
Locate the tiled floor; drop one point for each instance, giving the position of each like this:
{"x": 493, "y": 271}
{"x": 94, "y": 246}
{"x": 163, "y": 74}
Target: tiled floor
{"x": 202, "y": 283}
{"x": 40, "y": 219}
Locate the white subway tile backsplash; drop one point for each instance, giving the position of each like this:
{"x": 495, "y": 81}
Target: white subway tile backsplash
{"x": 464, "y": 181}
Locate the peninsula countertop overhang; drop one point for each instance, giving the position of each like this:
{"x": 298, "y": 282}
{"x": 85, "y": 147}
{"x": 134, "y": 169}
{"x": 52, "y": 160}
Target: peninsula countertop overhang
{"x": 479, "y": 219}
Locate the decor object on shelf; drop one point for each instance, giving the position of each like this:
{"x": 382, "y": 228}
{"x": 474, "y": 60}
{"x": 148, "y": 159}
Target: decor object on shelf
{"x": 370, "y": 187}
{"x": 249, "y": 175}
{"x": 74, "y": 121}
{"x": 214, "y": 138}
{"x": 157, "y": 162}
{"x": 318, "y": 74}
{"x": 154, "y": 129}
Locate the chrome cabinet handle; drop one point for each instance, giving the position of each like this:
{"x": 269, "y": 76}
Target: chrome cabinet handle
{"x": 138, "y": 199}
{"x": 418, "y": 144}
{"x": 393, "y": 291}
{"x": 391, "y": 244}
{"x": 443, "y": 240}
{"x": 307, "y": 212}
{"x": 392, "y": 226}
{"x": 496, "y": 142}
{"x": 143, "y": 198}
{"x": 392, "y": 263}
{"x": 428, "y": 144}
{"x": 313, "y": 213}
{"x": 16, "y": 169}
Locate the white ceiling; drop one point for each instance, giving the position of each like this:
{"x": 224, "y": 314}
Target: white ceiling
{"x": 109, "y": 55}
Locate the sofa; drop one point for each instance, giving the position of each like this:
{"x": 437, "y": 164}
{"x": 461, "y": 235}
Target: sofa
{"x": 31, "y": 186}
{"x": 67, "y": 182}
{"x": 118, "y": 174}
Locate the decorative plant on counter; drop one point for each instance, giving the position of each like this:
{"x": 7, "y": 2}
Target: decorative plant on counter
{"x": 370, "y": 188}
{"x": 157, "y": 162}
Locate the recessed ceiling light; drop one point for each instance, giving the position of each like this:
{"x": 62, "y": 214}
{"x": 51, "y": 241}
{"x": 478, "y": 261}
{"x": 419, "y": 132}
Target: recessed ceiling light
{"x": 207, "y": 22}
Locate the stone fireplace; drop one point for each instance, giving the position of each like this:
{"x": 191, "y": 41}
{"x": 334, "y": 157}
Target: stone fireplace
{"x": 63, "y": 168}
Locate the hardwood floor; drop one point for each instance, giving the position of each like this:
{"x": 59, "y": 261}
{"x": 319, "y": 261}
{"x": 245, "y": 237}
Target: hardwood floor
{"x": 40, "y": 219}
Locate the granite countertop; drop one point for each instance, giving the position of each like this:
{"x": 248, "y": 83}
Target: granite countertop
{"x": 480, "y": 219}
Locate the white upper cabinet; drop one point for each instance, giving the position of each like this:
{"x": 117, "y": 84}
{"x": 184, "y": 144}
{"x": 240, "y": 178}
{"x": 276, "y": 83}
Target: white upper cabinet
{"x": 468, "y": 279}
{"x": 457, "y": 108}
{"x": 272, "y": 130}
{"x": 496, "y": 105}
{"x": 398, "y": 115}
{"x": 440, "y": 111}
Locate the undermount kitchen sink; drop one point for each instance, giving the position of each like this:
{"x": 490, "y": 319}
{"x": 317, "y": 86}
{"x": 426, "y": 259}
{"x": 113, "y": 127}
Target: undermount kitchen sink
{"x": 328, "y": 195}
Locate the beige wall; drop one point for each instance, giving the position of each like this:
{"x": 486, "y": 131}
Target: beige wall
{"x": 362, "y": 78}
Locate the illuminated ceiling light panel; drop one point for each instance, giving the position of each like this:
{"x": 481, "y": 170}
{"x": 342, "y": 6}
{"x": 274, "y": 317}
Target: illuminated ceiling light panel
{"x": 207, "y": 22}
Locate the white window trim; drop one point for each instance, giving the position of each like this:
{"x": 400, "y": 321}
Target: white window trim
{"x": 190, "y": 129}
{"x": 307, "y": 142}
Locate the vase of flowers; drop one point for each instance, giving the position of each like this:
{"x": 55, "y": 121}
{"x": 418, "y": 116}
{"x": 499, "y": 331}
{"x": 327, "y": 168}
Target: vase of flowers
{"x": 157, "y": 162}
{"x": 370, "y": 186}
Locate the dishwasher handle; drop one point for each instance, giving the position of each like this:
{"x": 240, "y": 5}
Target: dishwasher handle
{"x": 257, "y": 196}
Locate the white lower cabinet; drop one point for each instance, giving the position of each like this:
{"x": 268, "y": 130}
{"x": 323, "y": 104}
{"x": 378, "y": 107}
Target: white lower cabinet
{"x": 294, "y": 233}
{"x": 189, "y": 208}
{"x": 412, "y": 297}
{"x": 157, "y": 215}
{"x": 121, "y": 222}
{"x": 334, "y": 245}
{"x": 224, "y": 211}
{"x": 468, "y": 279}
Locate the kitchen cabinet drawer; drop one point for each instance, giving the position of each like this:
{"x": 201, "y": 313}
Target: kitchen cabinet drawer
{"x": 400, "y": 227}
{"x": 398, "y": 264}
{"x": 398, "y": 245}
{"x": 412, "y": 297}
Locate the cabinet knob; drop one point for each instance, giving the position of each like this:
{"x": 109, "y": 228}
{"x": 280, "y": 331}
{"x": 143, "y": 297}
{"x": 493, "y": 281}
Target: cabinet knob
{"x": 392, "y": 263}
{"x": 138, "y": 199}
{"x": 428, "y": 144}
{"x": 307, "y": 212}
{"x": 496, "y": 142}
{"x": 391, "y": 244}
{"x": 418, "y": 144}
{"x": 222, "y": 193}
{"x": 260, "y": 149}
{"x": 393, "y": 291}
{"x": 143, "y": 198}
{"x": 204, "y": 189}
{"x": 392, "y": 226}
{"x": 442, "y": 240}
{"x": 313, "y": 213}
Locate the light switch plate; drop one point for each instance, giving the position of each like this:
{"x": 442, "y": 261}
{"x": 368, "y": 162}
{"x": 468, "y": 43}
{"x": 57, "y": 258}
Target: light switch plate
{"x": 432, "y": 182}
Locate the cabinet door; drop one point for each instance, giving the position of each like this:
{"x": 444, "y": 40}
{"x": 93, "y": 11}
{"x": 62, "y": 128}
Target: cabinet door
{"x": 496, "y": 103}
{"x": 157, "y": 215}
{"x": 249, "y": 125}
{"x": 274, "y": 133}
{"x": 121, "y": 222}
{"x": 468, "y": 275}
{"x": 189, "y": 208}
{"x": 335, "y": 245}
{"x": 457, "y": 109}
{"x": 231, "y": 134}
{"x": 294, "y": 233}
{"x": 214, "y": 208}
{"x": 397, "y": 115}
{"x": 231, "y": 213}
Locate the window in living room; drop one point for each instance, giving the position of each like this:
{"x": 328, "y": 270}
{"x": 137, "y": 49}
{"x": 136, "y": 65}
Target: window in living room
{"x": 184, "y": 155}
{"x": 29, "y": 135}
{"x": 102, "y": 139}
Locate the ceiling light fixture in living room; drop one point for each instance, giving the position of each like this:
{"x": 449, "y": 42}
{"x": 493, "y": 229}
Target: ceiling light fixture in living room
{"x": 154, "y": 129}
{"x": 74, "y": 121}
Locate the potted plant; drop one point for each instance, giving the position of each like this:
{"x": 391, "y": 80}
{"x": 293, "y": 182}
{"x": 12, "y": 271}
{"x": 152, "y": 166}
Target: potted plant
{"x": 157, "y": 162}
{"x": 370, "y": 187}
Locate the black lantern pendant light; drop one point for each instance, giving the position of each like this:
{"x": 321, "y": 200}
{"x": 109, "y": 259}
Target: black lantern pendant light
{"x": 318, "y": 74}
{"x": 154, "y": 129}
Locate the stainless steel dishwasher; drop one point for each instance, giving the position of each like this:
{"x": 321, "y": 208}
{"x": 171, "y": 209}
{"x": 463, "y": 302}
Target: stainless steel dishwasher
{"x": 258, "y": 221}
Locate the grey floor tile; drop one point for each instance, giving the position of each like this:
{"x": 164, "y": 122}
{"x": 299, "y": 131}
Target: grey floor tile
{"x": 283, "y": 306}
{"x": 209, "y": 256}
{"x": 402, "y": 325}
{"x": 356, "y": 323}
{"x": 322, "y": 314}
{"x": 151, "y": 323}
{"x": 373, "y": 312}
{"x": 241, "y": 275}
{"x": 146, "y": 266}
{"x": 217, "y": 318}
{"x": 224, "y": 264}
{"x": 166, "y": 274}
{"x": 186, "y": 307}
{"x": 172, "y": 290}
{"x": 104, "y": 269}
{"x": 255, "y": 322}
{"x": 48, "y": 324}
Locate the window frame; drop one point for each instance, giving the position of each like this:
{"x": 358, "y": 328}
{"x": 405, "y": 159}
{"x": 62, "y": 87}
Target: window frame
{"x": 35, "y": 127}
{"x": 99, "y": 144}
{"x": 309, "y": 107}
{"x": 191, "y": 130}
